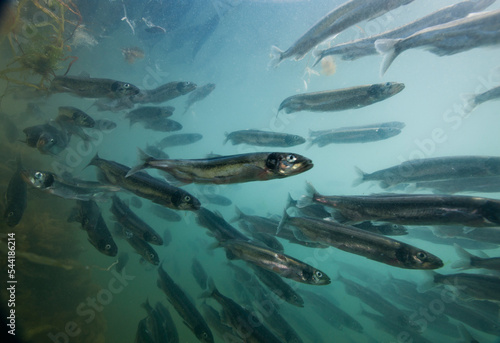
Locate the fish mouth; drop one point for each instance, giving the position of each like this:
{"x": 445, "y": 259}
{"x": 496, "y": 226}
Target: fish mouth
{"x": 397, "y": 87}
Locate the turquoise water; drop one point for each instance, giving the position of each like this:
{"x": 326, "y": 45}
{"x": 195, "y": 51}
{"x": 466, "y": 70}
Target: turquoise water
{"x": 248, "y": 93}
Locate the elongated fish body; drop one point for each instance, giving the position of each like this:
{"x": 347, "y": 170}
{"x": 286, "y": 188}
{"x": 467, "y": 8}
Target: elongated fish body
{"x": 476, "y": 286}
{"x": 437, "y": 168}
{"x": 391, "y": 124}
{"x": 356, "y": 136}
{"x": 244, "y": 322}
{"x": 184, "y": 307}
{"x": 484, "y": 184}
{"x": 215, "y": 322}
{"x": 199, "y": 94}
{"x": 367, "y": 244}
{"x": 385, "y": 229}
{"x": 165, "y": 92}
{"x": 339, "y": 19}
{"x": 415, "y": 209}
{"x": 331, "y": 312}
{"x": 341, "y": 99}
{"x": 89, "y": 215}
{"x": 50, "y": 183}
{"x": 87, "y": 87}
{"x": 138, "y": 244}
{"x": 366, "y": 46}
{"x": 276, "y": 284}
{"x": 231, "y": 169}
{"x": 149, "y": 114}
{"x": 163, "y": 125}
{"x": 124, "y": 215}
{"x": 199, "y": 273}
{"x": 264, "y": 138}
{"x": 218, "y": 226}
{"x": 376, "y": 302}
{"x": 476, "y": 30}
{"x": 16, "y": 197}
{"x": 275, "y": 261}
{"x": 492, "y": 94}
{"x": 165, "y": 213}
{"x": 168, "y": 322}
{"x": 77, "y": 116}
{"x": 145, "y": 186}
{"x": 179, "y": 139}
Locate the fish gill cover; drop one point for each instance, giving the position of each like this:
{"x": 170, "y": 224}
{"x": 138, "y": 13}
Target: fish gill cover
{"x": 349, "y": 206}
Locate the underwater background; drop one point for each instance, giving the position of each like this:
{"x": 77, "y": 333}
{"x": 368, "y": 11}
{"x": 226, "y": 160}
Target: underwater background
{"x": 58, "y": 270}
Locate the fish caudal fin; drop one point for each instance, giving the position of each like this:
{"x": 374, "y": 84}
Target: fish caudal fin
{"x": 276, "y": 57}
{"x": 318, "y": 54}
{"x": 145, "y": 159}
{"x": 93, "y": 161}
{"x": 361, "y": 177}
{"x": 283, "y": 220}
{"x": 428, "y": 283}
{"x": 469, "y": 102}
{"x": 387, "y": 48}
{"x": 465, "y": 258}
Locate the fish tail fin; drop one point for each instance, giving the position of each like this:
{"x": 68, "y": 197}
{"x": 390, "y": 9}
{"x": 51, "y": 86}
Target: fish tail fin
{"x": 428, "y": 282}
{"x": 212, "y": 289}
{"x": 465, "y": 258}
{"x": 360, "y": 177}
{"x": 283, "y": 220}
{"x": 388, "y": 48}
{"x": 227, "y": 138}
{"x": 307, "y": 199}
{"x": 93, "y": 161}
{"x": 276, "y": 57}
{"x": 239, "y": 215}
{"x": 147, "y": 306}
{"x": 290, "y": 202}
{"x": 145, "y": 159}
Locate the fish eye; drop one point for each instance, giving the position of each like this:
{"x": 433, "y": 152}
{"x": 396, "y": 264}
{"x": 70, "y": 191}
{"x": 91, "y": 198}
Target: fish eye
{"x": 126, "y": 85}
{"x": 38, "y": 175}
{"x": 291, "y": 158}
{"x": 204, "y": 335}
{"x": 319, "y": 274}
{"x": 187, "y": 198}
{"x": 107, "y": 246}
{"x": 387, "y": 84}
{"x": 10, "y": 214}
{"x": 151, "y": 256}
{"x": 421, "y": 255}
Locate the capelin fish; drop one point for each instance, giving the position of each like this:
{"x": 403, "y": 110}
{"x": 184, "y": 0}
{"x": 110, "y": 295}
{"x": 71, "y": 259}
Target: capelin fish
{"x": 391, "y": 124}
{"x": 279, "y": 287}
{"x": 155, "y": 323}
{"x": 75, "y": 189}
{"x": 47, "y": 138}
{"x": 475, "y": 100}
{"x": 199, "y": 273}
{"x": 264, "y": 138}
{"x": 184, "y": 307}
{"x": 244, "y": 322}
{"x": 330, "y": 312}
{"x": 412, "y": 209}
{"x": 349, "y": 136}
{"x": 149, "y": 114}
{"x": 124, "y": 215}
{"x": 77, "y": 116}
{"x": 476, "y": 30}
{"x": 433, "y": 169}
{"x": 344, "y": 16}
{"x": 274, "y": 261}
{"x": 163, "y": 125}
{"x": 87, "y": 87}
{"x": 385, "y": 229}
{"x": 360, "y": 242}
{"x": 199, "y": 94}
{"x": 229, "y": 169}
{"x": 164, "y": 92}
{"x": 366, "y": 46}
{"x": 140, "y": 246}
{"x": 168, "y": 322}
{"x": 89, "y": 215}
{"x": 215, "y": 322}
{"x": 218, "y": 226}
{"x": 179, "y": 139}
{"x": 341, "y": 99}
{"x": 468, "y": 260}
{"x": 145, "y": 186}
{"x": 16, "y": 197}
{"x": 468, "y": 286}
